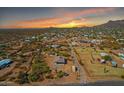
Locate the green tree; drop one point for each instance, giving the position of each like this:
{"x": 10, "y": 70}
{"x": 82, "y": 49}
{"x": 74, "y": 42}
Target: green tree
{"x": 107, "y": 58}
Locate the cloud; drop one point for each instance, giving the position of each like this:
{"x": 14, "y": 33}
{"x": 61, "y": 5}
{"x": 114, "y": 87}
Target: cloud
{"x": 66, "y": 19}
{"x": 89, "y": 12}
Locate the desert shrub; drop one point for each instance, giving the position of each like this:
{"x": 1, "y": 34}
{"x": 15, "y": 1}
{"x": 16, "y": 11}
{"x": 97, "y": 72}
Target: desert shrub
{"x": 60, "y": 74}
{"x": 40, "y": 68}
{"x": 22, "y": 78}
{"x": 107, "y": 58}
{"x": 2, "y": 53}
{"x": 122, "y": 76}
{"x": 33, "y": 77}
{"x": 49, "y": 76}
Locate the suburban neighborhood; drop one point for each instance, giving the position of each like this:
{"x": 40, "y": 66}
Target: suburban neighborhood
{"x": 67, "y": 56}
{"x": 61, "y": 46}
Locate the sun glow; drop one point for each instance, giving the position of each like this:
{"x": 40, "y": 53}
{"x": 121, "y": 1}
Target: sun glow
{"x": 71, "y": 25}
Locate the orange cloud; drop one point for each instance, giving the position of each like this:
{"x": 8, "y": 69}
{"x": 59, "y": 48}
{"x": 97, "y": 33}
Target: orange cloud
{"x": 48, "y": 22}
{"x": 89, "y": 11}
{"x": 65, "y": 20}
{"x": 36, "y": 23}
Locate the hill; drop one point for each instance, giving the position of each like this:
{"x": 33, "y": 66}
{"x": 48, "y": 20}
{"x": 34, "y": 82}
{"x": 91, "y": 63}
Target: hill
{"x": 112, "y": 24}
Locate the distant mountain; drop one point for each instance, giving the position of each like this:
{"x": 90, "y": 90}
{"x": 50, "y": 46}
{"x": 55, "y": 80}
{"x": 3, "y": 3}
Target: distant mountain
{"x": 112, "y": 24}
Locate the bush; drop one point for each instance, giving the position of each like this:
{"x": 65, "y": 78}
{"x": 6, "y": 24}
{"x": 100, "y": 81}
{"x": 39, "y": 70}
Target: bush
{"x": 22, "y": 78}
{"x": 49, "y": 76}
{"x": 107, "y": 58}
{"x": 2, "y": 53}
{"x": 60, "y": 74}
{"x": 39, "y": 60}
{"x": 122, "y": 76}
{"x": 63, "y": 53}
{"x": 40, "y": 68}
{"x": 81, "y": 63}
{"x": 33, "y": 77}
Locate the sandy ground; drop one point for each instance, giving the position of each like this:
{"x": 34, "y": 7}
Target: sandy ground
{"x": 72, "y": 78}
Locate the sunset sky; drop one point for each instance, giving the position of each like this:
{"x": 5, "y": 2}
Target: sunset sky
{"x": 57, "y": 17}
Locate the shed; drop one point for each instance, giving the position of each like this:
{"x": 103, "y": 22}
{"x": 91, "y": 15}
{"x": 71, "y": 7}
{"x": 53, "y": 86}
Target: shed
{"x": 103, "y": 54}
{"x": 123, "y": 65}
{"x": 55, "y": 46}
{"x": 102, "y": 61}
{"x": 61, "y": 60}
{"x": 121, "y": 55}
{"x": 5, "y": 62}
{"x": 114, "y": 64}
{"x": 74, "y": 69}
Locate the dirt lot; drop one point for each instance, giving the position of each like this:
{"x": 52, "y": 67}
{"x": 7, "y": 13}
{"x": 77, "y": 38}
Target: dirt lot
{"x": 72, "y": 78}
{"x": 95, "y": 69}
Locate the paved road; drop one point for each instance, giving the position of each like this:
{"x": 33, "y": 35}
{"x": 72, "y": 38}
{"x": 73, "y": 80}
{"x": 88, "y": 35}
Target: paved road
{"x": 82, "y": 74}
{"x": 98, "y": 83}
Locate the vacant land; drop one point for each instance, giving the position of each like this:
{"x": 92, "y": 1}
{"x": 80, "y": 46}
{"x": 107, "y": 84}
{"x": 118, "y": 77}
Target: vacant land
{"x": 94, "y": 68}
